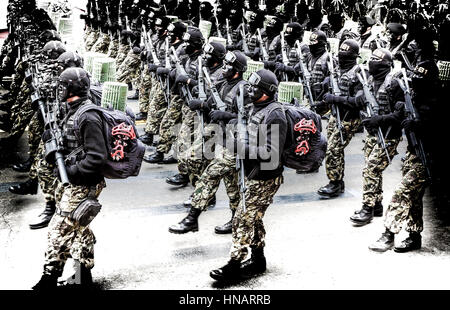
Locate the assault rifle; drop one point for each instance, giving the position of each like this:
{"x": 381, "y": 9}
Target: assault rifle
{"x": 201, "y": 96}
{"x": 219, "y": 34}
{"x": 411, "y": 114}
{"x": 51, "y": 114}
{"x": 167, "y": 66}
{"x": 229, "y": 39}
{"x": 335, "y": 91}
{"x": 372, "y": 108}
{"x": 108, "y": 17}
{"x": 221, "y": 106}
{"x": 186, "y": 93}
{"x": 265, "y": 55}
{"x": 284, "y": 54}
{"x": 306, "y": 76}
{"x": 127, "y": 25}
{"x": 243, "y": 136}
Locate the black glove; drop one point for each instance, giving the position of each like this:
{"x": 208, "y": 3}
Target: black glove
{"x": 181, "y": 79}
{"x": 269, "y": 65}
{"x": 411, "y": 125}
{"x": 153, "y": 67}
{"x": 136, "y": 50}
{"x": 197, "y": 104}
{"x": 162, "y": 71}
{"x": 372, "y": 122}
{"x": 332, "y": 99}
{"x": 217, "y": 116}
{"x": 144, "y": 55}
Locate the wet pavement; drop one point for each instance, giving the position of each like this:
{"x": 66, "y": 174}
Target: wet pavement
{"x": 311, "y": 243}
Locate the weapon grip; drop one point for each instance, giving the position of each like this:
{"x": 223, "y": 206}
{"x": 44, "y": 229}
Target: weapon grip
{"x": 61, "y": 168}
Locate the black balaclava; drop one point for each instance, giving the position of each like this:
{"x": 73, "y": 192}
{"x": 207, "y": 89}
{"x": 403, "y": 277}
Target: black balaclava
{"x": 318, "y": 43}
{"x": 348, "y": 53}
{"x": 380, "y": 64}
{"x": 294, "y": 32}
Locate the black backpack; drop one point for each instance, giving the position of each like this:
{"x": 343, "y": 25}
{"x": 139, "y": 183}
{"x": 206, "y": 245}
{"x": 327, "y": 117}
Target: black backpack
{"x": 125, "y": 150}
{"x": 303, "y": 156}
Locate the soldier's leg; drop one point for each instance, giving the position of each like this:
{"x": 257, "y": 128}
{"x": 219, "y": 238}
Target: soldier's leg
{"x": 102, "y": 44}
{"x": 144, "y": 91}
{"x": 113, "y": 48}
{"x": 65, "y": 237}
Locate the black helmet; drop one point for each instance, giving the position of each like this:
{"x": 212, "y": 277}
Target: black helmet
{"x": 318, "y": 37}
{"x": 49, "y": 35}
{"x": 349, "y": 49}
{"x": 294, "y": 32}
{"x": 73, "y": 82}
{"x": 256, "y": 20}
{"x": 382, "y": 54}
{"x": 237, "y": 60}
{"x": 396, "y": 29}
{"x": 176, "y": 30}
{"x": 380, "y": 63}
{"x": 69, "y": 59}
{"x": 53, "y": 49}
{"x": 215, "y": 49}
{"x": 274, "y": 26}
{"x": 265, "y": 80}
{"x": 206, "y": 10}
{"x": 194, "y": 39}
{"x": 365, "y": 22}
{"x": 161, "y": 24}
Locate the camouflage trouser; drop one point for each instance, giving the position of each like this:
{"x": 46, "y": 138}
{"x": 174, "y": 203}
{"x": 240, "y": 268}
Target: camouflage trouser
{"x": 35, "y": 130}
{"x": 122, "y": 54}
{"x": 221, "y": 167}
{"x": 248, "y": 227}
{"x": 157, "y": 108}
{"x": 335, "y": 158}
{"x": 376, "y": 162}
{"x": 21, "y": 112}
{"x": 173, "y": 115}
{"x": 43, "y": 171}
{"x": 66, "y": 238}
{"x": 102, "y": 44}
{"x": 129, "y": 69}
{"x": 406, "y": 203}
{"x": 145, "y": 86}
{"x": 113, "y": 48}
{"x": 196, "y": 161}
{"x": 185, "y": 139}
{"x": 91, "y": 39}
{"x": 87, "y": 33}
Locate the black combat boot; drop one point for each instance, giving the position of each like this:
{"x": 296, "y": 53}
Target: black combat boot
{"x": 155, "y": 158}
{"x": 141, "y": 116}
{"x": 363, "y": 216}
{"x": 25, "y": 166}
{"x": 413, "y": 242}
{"x": 178, "y": 180}
{"x": 130, "y": 86}
{"x": 135, "y": 96}
{"x": 28, "y": 187}
{"x": 378, "y": 209}
{"x": 231, "y": 271}
{"x": 332, "y": 189}
{"x": 225, "y": 228}
{"x": 385, "y": 242}
{"x": 46, "y": 283}
{"x": 147, "y": 139}
{"x": 44, "y": 218}
{"x": 170, "y": 160}
{"x": 255, "y": 265}
{"x": 189, "y": 223}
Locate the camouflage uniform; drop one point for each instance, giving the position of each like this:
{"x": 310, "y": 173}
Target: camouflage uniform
{"x": 248, "y": 227}
{"x": 406, "y": 204}
{"x": 129, "y": 69}
{"x": 375, "y": 163}
{"x": 222, "y": 166}
{"x": 66, "y": 238}
{"x": 113, "y": 48}
{"x": 46, "y": 177}
{"x": 184, "y": 140}
{"x": 159, "y": 116}
{"x": 145, "y": 87}
{"x": 122, "y": 54}
{"x": 21, "y": 112}
{"x": 335, "y": 158}
{"x": 91, "y": 39}
{"x": 102, "y": 44}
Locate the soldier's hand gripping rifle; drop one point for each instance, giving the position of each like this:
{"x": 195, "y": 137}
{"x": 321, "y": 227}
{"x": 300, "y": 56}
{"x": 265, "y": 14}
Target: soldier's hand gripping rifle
{"x": 411, "y": 114}
{"x": 372, "y": 109}
{"x": 50, "y": 112}
{"x": 305, "y": 76}
{"x": 242, "y": 137}
{"x": 284, "y": 54}
{"x": 265, "y": 54}
{"x": 221, "y": 106}
{"x": 185, "y": 91}
{"x": 335, "y": 91}
{"x": 201, "y": 96}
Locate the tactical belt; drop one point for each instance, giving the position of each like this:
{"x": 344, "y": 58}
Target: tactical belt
{"x": 62, "y": 213}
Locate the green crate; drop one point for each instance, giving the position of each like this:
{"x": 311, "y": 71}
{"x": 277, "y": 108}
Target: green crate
{"x": 364, "y": 54}
{"x": 289, "y": 90}
{"x": 65, "y": 26}
{"x": 205, "y": 28}
{"x": 114, "y": 94}
{"x": 252, "y": 66}
{"x": 89, "y": 58}
{"x": 104, "y": 70}
{"x": 444, "y": 70}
